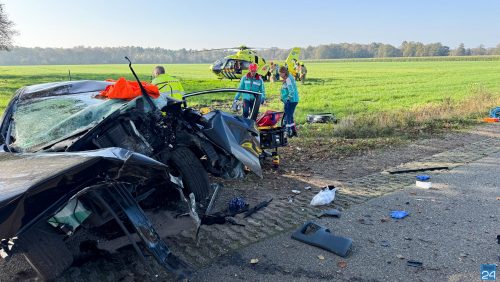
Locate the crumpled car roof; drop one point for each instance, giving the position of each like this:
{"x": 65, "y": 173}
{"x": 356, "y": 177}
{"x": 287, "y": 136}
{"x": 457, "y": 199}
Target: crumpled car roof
{"x": 62, "y": 88}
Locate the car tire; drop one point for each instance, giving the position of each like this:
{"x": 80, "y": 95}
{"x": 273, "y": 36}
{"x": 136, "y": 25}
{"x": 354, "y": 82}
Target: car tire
{"x": 45, "y": 251}
{"x": 193, "y": 174}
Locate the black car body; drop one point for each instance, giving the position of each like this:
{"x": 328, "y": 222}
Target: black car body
{"x": 72, "y": 161}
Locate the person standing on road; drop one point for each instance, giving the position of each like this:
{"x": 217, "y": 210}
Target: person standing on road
{"x": 290, "y": 99}
{"x": 252, "y": 81}
{"x": 167, "y": 84}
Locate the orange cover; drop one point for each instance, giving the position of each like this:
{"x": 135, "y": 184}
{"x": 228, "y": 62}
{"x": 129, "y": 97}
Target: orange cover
{"x": 125, "y": 89}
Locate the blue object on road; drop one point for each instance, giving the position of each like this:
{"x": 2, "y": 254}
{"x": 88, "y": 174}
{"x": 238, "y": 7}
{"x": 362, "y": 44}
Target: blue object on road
{"x": 236, "y": 204}
{"x": 399, "y": 214}
{"x": 423, "y": 177}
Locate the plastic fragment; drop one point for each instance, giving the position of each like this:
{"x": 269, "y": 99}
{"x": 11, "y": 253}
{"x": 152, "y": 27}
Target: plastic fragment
{"x": 399, "y": 214}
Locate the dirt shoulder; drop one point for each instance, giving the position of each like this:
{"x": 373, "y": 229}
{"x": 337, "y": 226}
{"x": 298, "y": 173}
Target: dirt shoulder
{"x": 321, "y": 162}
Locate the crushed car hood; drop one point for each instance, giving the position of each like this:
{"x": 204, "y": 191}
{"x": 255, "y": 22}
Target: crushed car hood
{"x": 235, "y": 135}
{"x": 35, "y": 184}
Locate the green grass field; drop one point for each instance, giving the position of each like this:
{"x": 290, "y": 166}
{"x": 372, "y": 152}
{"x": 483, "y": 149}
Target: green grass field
{"x": 346, "y": 87}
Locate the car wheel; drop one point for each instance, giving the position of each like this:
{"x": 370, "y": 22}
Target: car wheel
{"x": 45, "y": 251}
{"x": 193, "y": 174}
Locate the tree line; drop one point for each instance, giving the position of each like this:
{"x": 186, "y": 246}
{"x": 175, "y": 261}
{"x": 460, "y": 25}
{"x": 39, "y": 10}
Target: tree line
{"x": 115, "y": 55}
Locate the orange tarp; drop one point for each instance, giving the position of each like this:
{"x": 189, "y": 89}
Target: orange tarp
{"x": 125, "y": 89}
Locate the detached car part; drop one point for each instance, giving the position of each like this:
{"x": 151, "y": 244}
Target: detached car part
{"x": 321, "y": 118}
{"x": 321, "y": 237}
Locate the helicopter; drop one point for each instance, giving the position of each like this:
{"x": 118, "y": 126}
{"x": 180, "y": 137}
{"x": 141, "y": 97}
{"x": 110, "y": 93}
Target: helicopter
{"x": 236, "y": 66}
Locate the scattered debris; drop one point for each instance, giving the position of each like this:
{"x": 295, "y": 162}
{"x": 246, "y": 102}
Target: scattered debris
{"x": 423, "y": 177}
{"x": 400, "y": 256}
{"x": 319, "y": 236}
{"x": 321, "y": 118}
{"x": 257, "y": 207}
{"x": 234, "y": 222}
{"x": 463, "y": 255}
{"x": 325, "y": 196}
{"x": 331, "y": 212}
{"x": 296, "y": 192}
{"x": 414, "y": 263}
{"x": 216, "y": 188}
{"x": 399, "y": 214}
{"x": 309, "y": 188}
{"x": 384, "y": 243}
{"x": 423, "y": 181}
{"x": 415, "y": 170}
{"x": 363, "y": 221}
{"x": 321, "y": 257}
{"x": 342, "y": 264}
{"x": 237, "y": 205}
{"x": 254, "y": 261}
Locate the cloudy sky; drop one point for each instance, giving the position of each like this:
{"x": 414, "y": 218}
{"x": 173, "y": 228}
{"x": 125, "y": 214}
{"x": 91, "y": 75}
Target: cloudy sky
{"x": 197, "y": 24}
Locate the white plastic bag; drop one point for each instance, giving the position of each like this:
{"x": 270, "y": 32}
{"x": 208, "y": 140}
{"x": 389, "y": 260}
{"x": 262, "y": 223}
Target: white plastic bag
{"x": 324, "y": 197}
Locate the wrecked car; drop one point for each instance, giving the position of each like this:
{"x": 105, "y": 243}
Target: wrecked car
{"x": 72, "y": 163}
{"x": 68, "y": 117}
{"x": 54, "y": 204}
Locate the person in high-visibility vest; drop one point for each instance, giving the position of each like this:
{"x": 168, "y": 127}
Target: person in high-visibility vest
{"x": 167, "y": 84}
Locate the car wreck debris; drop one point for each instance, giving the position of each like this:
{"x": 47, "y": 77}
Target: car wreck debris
{"x": 321, "y": 118}
{"x": 399, "y": 214}
{"x": 331, "y": 212}
{"x": 321, "y": 237}
{"x": 259, "y": 206}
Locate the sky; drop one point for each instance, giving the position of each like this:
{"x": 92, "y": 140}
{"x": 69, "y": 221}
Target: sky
{"x": 198, "y": 24}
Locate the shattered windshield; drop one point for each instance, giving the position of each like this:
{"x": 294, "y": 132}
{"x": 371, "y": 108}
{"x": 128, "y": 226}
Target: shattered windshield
{"x": 40, "y": 121}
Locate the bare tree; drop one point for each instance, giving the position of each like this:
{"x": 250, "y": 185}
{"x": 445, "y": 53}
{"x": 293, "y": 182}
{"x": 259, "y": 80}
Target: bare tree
{"x": 6, "y": 30}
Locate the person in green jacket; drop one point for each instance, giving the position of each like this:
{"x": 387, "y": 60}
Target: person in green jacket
{"x": 167, "y": 84}
{"x": 290, "y": 99}
{"x": 252, "y": 82}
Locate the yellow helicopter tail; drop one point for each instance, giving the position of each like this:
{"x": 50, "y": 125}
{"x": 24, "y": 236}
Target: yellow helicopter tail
{"x": 293, "y": 60}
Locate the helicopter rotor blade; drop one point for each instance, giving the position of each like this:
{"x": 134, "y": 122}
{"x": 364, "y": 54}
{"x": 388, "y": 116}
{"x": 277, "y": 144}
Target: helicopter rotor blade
{"x": 242, "y": 47}
{"x": 214, "y": 49}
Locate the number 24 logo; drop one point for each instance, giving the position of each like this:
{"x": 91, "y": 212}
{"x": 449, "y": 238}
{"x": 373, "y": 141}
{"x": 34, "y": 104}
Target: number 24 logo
{"x": 488, "y": 275}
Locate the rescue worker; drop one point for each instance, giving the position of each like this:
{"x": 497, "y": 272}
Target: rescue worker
{"x": 237, "y": 67}
{"x": 290, "y": 99}
{"x": 303, "y": 73}
{"x": 272, "y": 72}
{"x": 167, "y": 84}
{"x": 252, "y": 81}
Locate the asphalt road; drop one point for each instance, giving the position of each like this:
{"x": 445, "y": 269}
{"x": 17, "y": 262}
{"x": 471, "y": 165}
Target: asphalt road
{"x": 451, "y": 230}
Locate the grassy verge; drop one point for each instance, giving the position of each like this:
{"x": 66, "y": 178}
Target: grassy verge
{"x": 371, "y": 98}
{"x": 421, "y": 119}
